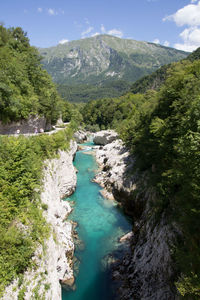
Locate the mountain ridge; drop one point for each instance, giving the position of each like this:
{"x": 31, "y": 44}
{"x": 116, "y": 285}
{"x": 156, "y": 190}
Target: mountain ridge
{"x": 103, "y": 58}
{"x": 157, "y": 78}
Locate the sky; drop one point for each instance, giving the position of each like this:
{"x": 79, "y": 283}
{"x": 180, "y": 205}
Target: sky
{"x": 173, "y": 23}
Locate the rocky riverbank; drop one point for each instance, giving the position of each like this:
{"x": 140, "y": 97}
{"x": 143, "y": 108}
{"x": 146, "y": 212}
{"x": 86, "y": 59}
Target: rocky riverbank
{"x": 146, "y": 270}
{"x": 53, "y": 260}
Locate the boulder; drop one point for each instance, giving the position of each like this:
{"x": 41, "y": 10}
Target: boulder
{"x": 80, "y": 136}
{"x": 105, "y": 137}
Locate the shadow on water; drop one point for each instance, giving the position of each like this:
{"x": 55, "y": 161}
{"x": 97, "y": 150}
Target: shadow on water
{"x": 97, "y": 289}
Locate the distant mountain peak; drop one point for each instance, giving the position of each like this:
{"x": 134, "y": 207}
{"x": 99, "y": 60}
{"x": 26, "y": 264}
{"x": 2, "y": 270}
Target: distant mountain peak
{"x": 104, "y": 57}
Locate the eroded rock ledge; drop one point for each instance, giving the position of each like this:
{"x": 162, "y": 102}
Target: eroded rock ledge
{"x": 146, "y": 270}
{"x": 53, "y": 261}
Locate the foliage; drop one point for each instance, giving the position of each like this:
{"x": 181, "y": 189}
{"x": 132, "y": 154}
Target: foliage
{"x": 194, "y": 55}
{"x": 108, "y": 113}
{"x": 84, "y": 92}
{"x": 157, "y": 78}
{"x": 171, "y": 133}
{"x": 150, "y": 82}
{"x": 22, "y": 225}
{"x": 25, "y": 88}
{"x": 162, "y": 130}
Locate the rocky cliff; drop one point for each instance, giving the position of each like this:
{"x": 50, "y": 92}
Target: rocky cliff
{"x": 53, "y": 261}
{"x": 31, "y": 125}
{"x": 146, "y": 270}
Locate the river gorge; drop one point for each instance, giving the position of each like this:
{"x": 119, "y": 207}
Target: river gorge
{"x": 100, "y": 224}
{"x": 104, "y": 244}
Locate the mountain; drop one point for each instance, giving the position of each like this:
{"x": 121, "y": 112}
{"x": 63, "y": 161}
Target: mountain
{"x": 157, "y": 78}
{"x": 105, "y": 58}
{"x": 103, "y": 66}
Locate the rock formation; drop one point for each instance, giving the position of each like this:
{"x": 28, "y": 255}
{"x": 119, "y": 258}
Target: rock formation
{"x": 31, "y": 125}
{"x": 105, "y": 137}
{"x": 53, "y": 261}
{"x": 80, "y": 136}
{"x": 146, "y": 270}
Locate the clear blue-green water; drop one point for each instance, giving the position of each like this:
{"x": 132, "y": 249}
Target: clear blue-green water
{"x": 100, "y": 224}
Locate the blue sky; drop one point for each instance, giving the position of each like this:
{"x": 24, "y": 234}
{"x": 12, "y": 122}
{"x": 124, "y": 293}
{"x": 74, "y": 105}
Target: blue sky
{"x": 174, "y": 23}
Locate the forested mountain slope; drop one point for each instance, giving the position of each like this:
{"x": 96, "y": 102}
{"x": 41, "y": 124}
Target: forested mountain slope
{"x": 103, "y": 63}
{"x": 156, "y": 79}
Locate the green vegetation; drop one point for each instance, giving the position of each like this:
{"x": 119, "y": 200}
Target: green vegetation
{"x": 162, "y": 130}
{"x": 109, "y": 113}
{"x": 25, "y": 88}
{"x": 150, "y": 82}
{"x": 157, "y": 78}
{"x": 103, "y": 66}
{"x": 85, "y": 93}
{"x": 22, "y": 225}
{"x": 171, "y": 135}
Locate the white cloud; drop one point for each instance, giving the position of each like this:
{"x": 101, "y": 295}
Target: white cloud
{"x": 184, "y": 47}
{"x": 114, "y": 31}
{"x": 63, "y": 41}
{"x": 191, "y": 39}
{"x": 90, "y": 31}
{"x": 166, "y": 44}
{"x": 95, "y": 34}
{"x": 86, "y": 32}
{"x": 156, "y": 41}
{"x": 51, "y": 12}
{"x": 188, "y": 16}
{"x": 39, "y": 9}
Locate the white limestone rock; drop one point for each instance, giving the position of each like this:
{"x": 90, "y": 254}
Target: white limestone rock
{"x": 80, "y": 136}
{"x": 146, "y": 269}
{"x": 115, "y": 161}
{"x": 105, "y": 137}
{"x": 54, "y": 262}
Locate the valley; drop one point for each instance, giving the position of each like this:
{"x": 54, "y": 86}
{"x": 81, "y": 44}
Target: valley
{"x": 108, "y": 206}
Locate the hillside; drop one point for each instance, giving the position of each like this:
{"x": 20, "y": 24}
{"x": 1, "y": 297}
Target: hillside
{"x": 104, "y": 59}
{"x": 157, "y": 78}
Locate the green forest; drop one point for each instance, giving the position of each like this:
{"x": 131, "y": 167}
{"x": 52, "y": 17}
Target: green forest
{"x": 162, "y": 129}
{"x": 22, "y": 225}
{"x": 158, "y": 120}
{"x": 25, "y": 89}
{"x": 85, "y": 92}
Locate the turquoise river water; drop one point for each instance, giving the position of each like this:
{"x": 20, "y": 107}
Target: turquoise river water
{"x": 100, "y": 224}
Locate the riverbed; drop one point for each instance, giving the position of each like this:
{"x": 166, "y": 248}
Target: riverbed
{"x": 100, "y": 225}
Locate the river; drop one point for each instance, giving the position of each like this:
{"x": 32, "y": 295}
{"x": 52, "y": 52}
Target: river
{"x": 100, "y": 224}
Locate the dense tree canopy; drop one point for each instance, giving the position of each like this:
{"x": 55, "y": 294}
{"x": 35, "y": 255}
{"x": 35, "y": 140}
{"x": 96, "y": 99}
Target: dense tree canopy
{"x": 22, "y": 224}
{"x": 25, "y": 88}
{"x": 162, "y": 129}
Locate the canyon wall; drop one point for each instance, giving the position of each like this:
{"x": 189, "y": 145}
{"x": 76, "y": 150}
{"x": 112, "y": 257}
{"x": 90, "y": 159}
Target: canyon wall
{"x": 53, "y": 260}
{"x": 146, "y": 271}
